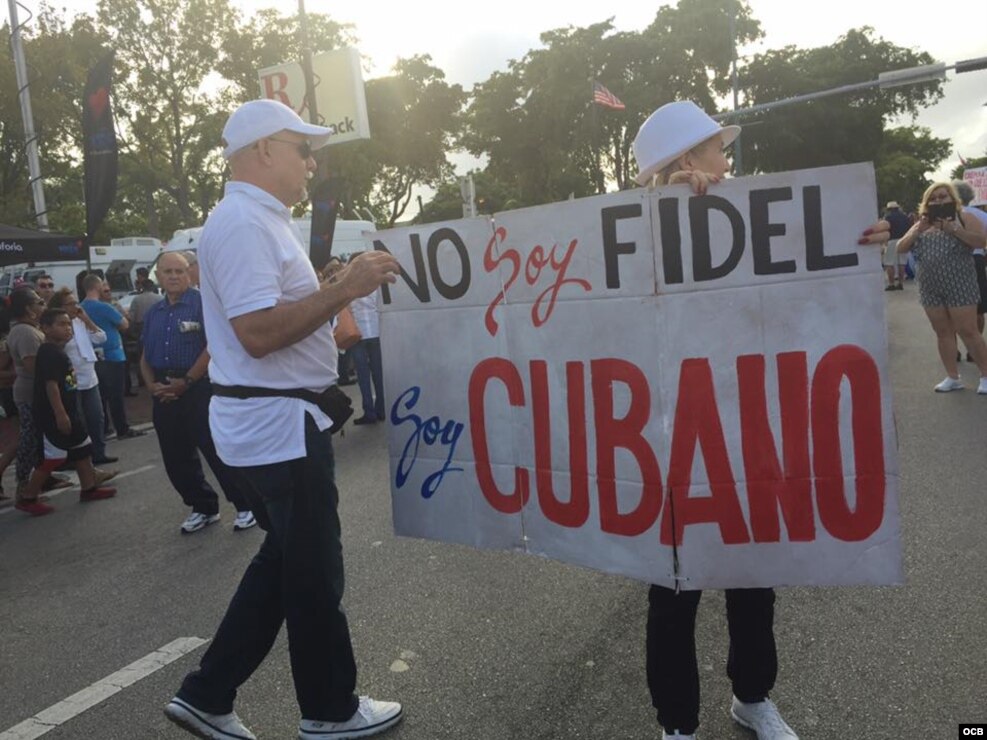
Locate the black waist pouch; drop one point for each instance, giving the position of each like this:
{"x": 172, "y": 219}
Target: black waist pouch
{"x": 332, "y": 401}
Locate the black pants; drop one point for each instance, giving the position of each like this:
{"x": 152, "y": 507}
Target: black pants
{"x": 296, "y": 578}
{"x": 183, "y": 431}
{"x": 111, "y": 376}
{"x": 673, "y": 673}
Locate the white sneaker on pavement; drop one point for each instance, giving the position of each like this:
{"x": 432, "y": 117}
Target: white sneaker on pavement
{"x": 676, "y": 736}
{"x": 205, "y": 725}
{"x": 763, "y": 718}
{"x": 196, "y": 521}
{"x": 371, "y": 717}
{"x": 982, "y": 388}
{"x": 950, "y": 384}
{"x": 244, "y": 520}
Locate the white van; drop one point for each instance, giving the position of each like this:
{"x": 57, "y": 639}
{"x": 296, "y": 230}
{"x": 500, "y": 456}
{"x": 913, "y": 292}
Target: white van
{"x": 116, "y": 262}
{"x": 348, "y": 238}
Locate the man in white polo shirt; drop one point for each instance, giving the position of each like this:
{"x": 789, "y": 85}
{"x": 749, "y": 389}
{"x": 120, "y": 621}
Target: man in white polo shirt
{"x": 267, "y": 317}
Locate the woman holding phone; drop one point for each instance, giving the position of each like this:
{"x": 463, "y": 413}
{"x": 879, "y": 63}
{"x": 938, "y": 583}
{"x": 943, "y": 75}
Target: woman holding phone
{"x": 943, "y": 240}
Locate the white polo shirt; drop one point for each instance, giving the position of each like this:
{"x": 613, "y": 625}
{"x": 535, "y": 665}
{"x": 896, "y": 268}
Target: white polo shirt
{"x": 251, "y": 258}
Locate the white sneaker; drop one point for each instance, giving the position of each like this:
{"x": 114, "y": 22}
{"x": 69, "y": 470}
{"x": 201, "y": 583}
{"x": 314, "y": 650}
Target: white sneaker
{"x": 371, "y": 717}
{"x": 950, "y": 384}
{"x": 210, "y": 726}
{"x": 244, "y": 520}
{"x": 763, "y": 718}
{"x": 982, "y": 388}
{"x": 677, "y": 736}
{"x": 197, "y": 521}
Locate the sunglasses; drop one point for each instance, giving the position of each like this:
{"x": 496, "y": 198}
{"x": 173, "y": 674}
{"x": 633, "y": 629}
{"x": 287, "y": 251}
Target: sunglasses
{"x": 303, "y": 147}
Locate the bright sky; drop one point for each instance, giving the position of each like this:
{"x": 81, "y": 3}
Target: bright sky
{"x": 469, "y": 40}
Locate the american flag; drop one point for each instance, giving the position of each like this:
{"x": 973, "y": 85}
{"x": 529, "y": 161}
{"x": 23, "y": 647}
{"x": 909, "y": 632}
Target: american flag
{"x": 602, "y": 96}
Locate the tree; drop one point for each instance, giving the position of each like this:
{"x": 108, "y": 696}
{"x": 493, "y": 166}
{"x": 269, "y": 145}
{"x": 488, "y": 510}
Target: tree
{"x": 834, "y": 130}
{"x": 957, "y": 173}
{"x": 414, "y": 119}
{"x": 903, "y": 161}
{"x": 538, "y": 127}
{"x": 166, "y": 49}
{"x": 447, "y": 203}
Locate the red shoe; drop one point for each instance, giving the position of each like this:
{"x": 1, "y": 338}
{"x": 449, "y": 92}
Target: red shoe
{"x": 97, "y": 494}
{"x": 33, "y": 507}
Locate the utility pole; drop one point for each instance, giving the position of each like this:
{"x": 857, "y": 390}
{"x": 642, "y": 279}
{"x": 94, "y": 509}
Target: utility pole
{"x": 738, "y": 162}
{"x": 30, "y": 137}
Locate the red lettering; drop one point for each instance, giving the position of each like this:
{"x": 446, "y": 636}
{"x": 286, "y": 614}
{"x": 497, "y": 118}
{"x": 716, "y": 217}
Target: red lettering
{"x": 274, "y": 87}
{"x": 854, "y": 364}
{"x": 625, "y": 433}
{"x": 537, "y": 258}
{"x": 576, "y": 511}
{"x": 697, "y": 419}
{"x": 768, "y": 487}
{"x": 483, "y": 373}
{"x": 490, "y": 263}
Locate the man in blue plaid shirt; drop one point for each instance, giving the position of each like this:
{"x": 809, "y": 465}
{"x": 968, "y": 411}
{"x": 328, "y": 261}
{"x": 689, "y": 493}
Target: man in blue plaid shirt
{"x": 174, "y": 363}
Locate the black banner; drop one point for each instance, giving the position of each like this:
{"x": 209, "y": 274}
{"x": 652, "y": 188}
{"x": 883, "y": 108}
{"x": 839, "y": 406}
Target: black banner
{"x": 99, "y": 144}
{"x": 18, "y": 246}
{"x": 325, "y": 209}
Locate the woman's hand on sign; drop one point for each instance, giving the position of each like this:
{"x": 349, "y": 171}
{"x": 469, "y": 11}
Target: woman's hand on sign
{"x": 698, "y": 181}
{"x": 878, "y": 233}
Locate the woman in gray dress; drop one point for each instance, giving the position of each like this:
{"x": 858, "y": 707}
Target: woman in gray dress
{"x": 943, "y": 240}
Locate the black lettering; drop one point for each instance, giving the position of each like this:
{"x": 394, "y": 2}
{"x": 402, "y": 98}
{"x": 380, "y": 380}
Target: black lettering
{"x": 671, "y": 240}
{"x": 702, "y": 255}
{"x": 612, "y": 249}
{"x": 451, "y": 292}
{"x": 420, "y": 289}
{"x": 815, "y": 256}
{"x": 762, "y": 230}
{"x": 349, "y": 124}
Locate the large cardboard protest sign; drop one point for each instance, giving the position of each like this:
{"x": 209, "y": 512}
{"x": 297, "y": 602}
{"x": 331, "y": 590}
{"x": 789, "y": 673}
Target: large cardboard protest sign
{"x": 673, "y": 387}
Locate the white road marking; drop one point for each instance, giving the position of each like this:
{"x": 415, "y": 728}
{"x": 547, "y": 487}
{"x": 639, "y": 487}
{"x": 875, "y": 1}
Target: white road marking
{"x": 75, "y": 487}
{"x": 57, "y": 714}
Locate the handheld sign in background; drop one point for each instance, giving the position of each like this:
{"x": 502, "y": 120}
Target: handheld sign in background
{"x": 672, "y": 387}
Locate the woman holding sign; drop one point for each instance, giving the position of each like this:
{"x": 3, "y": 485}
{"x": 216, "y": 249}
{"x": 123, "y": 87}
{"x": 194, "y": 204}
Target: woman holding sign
{"x": 679, "y": 143}
{"x": 943, "y": 239}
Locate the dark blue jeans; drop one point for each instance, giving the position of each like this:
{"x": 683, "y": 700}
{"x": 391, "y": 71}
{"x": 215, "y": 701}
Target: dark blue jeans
{"x": 366, "y": 358}
{"x": 296, "y": 578}
{"x": 91, "y": 405}
{"x": 183, "y": 432}
{"x": 673, "y": 673}
{"x": 111, "y": 377}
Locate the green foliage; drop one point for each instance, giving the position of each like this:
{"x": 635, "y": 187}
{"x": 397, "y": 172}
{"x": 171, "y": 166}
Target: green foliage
{"x": 903, "y": 161}
{"x": 183, "y": 65}
{"x": 834, "y": 130}
{"x": 957, "y": 173}
{"x": 537, "y": 124}
{"x": 414, "y": 119}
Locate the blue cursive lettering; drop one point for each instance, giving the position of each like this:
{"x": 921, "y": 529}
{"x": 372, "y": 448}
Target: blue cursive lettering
{"x": 430, "y": 431}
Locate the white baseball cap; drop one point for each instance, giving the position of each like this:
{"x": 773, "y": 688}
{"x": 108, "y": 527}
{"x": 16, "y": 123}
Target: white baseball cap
{"x": 259, "y": 119}
{"x": 670, "y": 132}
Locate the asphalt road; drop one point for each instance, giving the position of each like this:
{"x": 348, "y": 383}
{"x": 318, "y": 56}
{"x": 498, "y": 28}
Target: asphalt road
{"x": 484, "y": 646}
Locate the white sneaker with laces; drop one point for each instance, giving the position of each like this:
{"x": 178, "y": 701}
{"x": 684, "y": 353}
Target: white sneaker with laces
{"x": 203, "y": 724}
{"x": 676, "y": 736}
{"x": 371, "y": 717}
{"x": 762, "y": 717}
{"x": 982, "y": 388}
{"x": 244, "y": 520}
{"x": 950, "y": 384}
{"x": 197, "y": 521}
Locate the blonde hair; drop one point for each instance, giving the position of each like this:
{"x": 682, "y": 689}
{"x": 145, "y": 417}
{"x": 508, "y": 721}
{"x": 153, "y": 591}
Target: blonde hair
{"x": 665, "y": 174}
{"x": 924, "y": 205}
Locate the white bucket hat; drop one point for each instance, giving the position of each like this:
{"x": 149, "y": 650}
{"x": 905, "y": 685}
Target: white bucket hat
{"x": 670, "y": 132}
{"x": 259, "y": 119}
